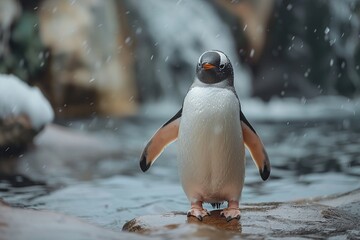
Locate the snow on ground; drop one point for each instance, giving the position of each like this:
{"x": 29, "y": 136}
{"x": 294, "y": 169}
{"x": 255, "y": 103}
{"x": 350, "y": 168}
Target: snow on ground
{"x": 17, "y": 98}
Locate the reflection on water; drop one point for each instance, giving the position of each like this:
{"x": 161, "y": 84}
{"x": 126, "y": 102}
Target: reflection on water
{"x": 308, "y": 159}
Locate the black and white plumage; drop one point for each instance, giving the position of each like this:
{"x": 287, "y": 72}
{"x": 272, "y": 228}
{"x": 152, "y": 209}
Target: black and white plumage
{"x": 212, "y": 133}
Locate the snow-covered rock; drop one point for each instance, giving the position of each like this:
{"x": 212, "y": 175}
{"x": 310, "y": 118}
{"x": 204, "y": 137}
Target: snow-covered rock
{"x": 24, "y": 111}
{"x": 17, "y": 98}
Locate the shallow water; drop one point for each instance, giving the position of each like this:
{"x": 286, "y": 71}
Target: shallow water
{"x": 309, "y": 159}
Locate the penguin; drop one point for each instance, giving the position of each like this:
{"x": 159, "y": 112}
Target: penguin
{"x": 212, "y": 133}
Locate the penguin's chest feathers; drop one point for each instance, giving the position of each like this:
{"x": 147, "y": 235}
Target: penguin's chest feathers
{"x": 212, "y": 114}
{"x": 211, "y": 149}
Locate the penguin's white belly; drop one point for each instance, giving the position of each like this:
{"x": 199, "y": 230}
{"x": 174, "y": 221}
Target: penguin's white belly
{"x": 210, "y": 146}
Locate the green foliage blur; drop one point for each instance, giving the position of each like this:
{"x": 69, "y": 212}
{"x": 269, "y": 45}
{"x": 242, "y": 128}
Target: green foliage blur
{"x": 25, "y": 55}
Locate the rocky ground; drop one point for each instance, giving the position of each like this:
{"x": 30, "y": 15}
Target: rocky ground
{"x": 335, "y": 216}
{"x": 57, "y": 159}
{"x": 20, "y": 224}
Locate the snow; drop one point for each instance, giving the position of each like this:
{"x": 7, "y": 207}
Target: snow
{"x": 17, "y": 98}
{"x": 327, "y": 30}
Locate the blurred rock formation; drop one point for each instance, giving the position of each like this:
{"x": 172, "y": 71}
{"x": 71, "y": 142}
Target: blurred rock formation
{"x": 253, "y": 19}
{"x": 312, "y": 49}
{"x": 169, "y": 37}
{"x": 298, "y": 49}
{"x": 91, "y": 69}
{"x": 104, "y": 57}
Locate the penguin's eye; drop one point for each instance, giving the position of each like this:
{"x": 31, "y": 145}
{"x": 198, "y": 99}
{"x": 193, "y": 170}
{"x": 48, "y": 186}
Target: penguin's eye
{"x": 222, "y": 66}
{"x": 199, "y": 64}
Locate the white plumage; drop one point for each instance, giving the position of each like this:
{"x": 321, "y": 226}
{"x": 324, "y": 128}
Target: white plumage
{"x": 211, "y": 150}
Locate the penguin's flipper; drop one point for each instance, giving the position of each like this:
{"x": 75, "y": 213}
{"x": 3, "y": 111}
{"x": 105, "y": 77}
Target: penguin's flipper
{"x": 255, "y": 146}
{"x": 163, "y": 137}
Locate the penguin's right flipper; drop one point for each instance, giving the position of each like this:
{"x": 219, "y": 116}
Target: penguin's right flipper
{"x": 256, "y": 147}
{"x": 163, "y": 137}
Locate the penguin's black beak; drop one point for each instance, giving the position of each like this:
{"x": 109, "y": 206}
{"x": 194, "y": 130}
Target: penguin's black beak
{"x": 208, "y": 66}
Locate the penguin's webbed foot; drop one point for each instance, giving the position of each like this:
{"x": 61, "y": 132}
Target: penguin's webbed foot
{"x": 199, "y": 213}
{"x": 230, "y": 213}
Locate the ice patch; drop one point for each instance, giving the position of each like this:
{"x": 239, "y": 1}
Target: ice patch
{"x": 17, "y": 98}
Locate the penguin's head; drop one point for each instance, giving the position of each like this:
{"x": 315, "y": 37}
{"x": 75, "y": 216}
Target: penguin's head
{"x": 214, "y": 67}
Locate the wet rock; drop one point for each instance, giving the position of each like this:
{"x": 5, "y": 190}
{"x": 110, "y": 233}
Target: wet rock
{"x": 30, "y": 224}
{"x": 320, "y": 218}
{"x": 15, "y": 134}
{"x": 170, "y": 221}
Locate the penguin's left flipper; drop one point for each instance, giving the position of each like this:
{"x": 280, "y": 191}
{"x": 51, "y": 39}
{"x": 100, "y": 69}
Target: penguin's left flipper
{"x": 163, "y": 137}
{"x": 256, "y": 147}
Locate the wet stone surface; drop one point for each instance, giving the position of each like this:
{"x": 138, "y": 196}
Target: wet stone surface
{"x": 88, "y": 176}
{"x": 269, "y": 220}
{"x": 302, "y": 219}
{"x": 16, "y": 223}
